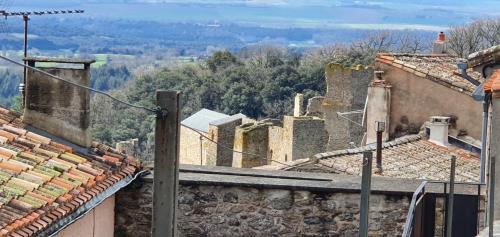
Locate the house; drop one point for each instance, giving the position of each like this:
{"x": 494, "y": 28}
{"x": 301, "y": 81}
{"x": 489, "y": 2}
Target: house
{"x": 202, "y": 132}
{"x": 420, "y": 86}
{"x": 54, "y": 181}
{"x": 412, "y": 87}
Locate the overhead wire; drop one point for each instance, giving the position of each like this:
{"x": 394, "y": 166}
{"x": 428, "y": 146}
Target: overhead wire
{"x": 153, "y": 110}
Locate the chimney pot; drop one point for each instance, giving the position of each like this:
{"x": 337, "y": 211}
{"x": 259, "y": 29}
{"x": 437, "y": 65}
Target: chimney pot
{"x": 439, "y": 130}
{"x": 441, "y": 36}
{"x": 439, "y": 46}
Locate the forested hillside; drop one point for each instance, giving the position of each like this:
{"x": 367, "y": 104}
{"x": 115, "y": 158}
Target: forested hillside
{"x": 259, "y": 81}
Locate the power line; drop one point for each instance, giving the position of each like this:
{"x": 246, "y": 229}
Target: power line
{"x": 231, "y": 149}
{"x": 154, "y": 110}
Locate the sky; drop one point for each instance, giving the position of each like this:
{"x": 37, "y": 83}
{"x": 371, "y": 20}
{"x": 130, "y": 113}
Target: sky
{"x": 385, "y": 14}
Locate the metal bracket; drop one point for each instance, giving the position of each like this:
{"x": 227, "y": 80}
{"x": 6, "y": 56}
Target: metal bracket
{"x": 160, "y": 112}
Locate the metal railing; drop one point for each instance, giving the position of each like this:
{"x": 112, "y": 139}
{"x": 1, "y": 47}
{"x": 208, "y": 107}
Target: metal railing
{"x": 418, "y": 196}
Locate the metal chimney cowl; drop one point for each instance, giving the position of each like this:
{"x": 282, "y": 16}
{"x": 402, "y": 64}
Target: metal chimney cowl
{"x": 439, "y": 130}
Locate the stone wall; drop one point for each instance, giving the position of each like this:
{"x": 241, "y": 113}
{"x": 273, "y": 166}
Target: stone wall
{"x": 251, "y": 145}
{"x": 309, "y": 136}
{"x": 241, "y": 202}
{"x": 192, "y": 149}
{"x": 223, "y": 132}
{"x": 346, "y": 91}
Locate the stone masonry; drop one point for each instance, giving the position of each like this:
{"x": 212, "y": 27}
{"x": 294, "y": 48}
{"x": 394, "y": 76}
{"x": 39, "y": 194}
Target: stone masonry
{"x": 251, "y": 143}
{"x": 253, "y": 205}
{"x": 58, "y": 107}
{"x": 222, "y": 131}
{"x": 266, "y": 141}
{"x": 249, "y": 211}
{"x": 346, "y": 91}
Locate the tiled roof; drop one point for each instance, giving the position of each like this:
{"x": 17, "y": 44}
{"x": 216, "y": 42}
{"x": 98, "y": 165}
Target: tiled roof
{"x": 493, "y": 84}
{"x": 43, "y": 181}
{"x": 411, "y": 157}
{"x": 438, "y": 68}
{"x": 487, "y": 56}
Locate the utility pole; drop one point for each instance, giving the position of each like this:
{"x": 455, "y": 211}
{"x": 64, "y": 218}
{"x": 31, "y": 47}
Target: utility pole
{"x": 366, "y": 180}
{"x": 26, "y": 18}
{"x": 166, "y": 164}
{"x": 380, "y": 128}
{"x": 491, "y": 197}
{"x": 449, "y": 217}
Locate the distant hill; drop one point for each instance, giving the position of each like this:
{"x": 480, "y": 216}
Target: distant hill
{"x": 416, "y": 14}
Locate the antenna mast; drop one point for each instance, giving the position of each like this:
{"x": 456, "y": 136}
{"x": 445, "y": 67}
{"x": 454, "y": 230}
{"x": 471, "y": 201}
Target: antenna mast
{"x": 26, "y": 18}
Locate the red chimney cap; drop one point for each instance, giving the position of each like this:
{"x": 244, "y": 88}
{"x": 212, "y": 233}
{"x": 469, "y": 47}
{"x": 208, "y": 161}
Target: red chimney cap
{"x": 441, "y": 36}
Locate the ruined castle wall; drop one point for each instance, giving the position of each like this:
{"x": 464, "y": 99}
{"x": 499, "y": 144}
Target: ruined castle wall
{"x": 309, "y": 136}
{"x": 346, "y": 91}
{"x": 279, "y": 146}
{"x": 220, "y": 153}
{"x": 252, "y": 140}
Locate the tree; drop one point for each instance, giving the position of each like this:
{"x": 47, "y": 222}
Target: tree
{"x": 221, "y": 60}
{"x": 478, "y": 35}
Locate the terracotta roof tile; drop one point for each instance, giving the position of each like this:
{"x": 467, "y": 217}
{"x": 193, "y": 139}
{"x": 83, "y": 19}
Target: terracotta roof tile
{"x": 412, "y": 157}
{"x": 494, "y": 83}
{"x": 41, "y": 181}
{"x": 438, "y": 68}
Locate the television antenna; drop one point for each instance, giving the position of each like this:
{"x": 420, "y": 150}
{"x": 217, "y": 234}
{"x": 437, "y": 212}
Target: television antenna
{"x": 26, "y": 17}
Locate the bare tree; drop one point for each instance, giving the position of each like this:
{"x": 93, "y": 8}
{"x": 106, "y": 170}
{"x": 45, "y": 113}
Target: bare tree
{"x": 410, "y": 42}
{"x": 469, "y": 38}
{"x": 490, "y": 31}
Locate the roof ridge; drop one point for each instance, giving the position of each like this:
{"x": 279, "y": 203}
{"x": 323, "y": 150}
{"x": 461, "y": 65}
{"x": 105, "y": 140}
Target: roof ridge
{"x": 417, "y": 55}
{"x": 371, "y": 147}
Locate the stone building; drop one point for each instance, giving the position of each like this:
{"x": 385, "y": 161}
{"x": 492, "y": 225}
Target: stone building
{"x": 207, "y": 138}
{"x": 346, "y": 93}
{"x": 270, "y": 141}
{"x": 53, "y": 180}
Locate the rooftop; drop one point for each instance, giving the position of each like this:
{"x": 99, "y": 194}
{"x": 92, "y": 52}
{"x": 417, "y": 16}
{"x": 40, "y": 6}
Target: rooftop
{"x": 202, "y": 119}
{"x": 45, "y": 184}
{"x": 485, "y": 57}
{"x": 436, "y": 67}
{"x": 409, "y": 157}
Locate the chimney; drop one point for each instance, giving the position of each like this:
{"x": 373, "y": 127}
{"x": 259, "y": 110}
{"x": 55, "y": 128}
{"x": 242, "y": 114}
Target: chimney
{"x": 298, "y": 108}
{"x": 439, "y": 46}
{"x": 57, "y": 107}
{"x": 439, "y": 130}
